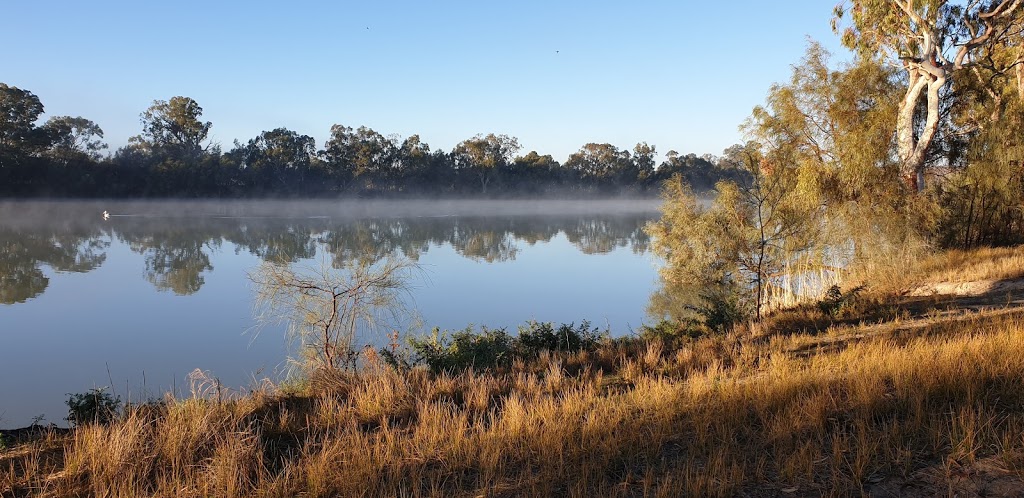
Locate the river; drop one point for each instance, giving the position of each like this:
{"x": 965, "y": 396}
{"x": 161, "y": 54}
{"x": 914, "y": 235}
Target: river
{"x": 137, "y": 301}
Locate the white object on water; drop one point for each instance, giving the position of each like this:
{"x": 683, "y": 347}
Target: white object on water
{"x": 106, "y": 215}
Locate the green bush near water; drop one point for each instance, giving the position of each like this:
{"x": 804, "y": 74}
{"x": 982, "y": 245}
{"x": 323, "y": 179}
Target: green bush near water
{"x": 488, "y": 349}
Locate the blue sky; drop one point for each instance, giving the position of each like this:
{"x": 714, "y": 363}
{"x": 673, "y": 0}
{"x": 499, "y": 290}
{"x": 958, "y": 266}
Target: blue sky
{"x": 680, "y": 75}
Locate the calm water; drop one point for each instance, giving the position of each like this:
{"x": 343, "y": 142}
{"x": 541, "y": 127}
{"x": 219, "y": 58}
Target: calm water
{"x": 161, "y": 288}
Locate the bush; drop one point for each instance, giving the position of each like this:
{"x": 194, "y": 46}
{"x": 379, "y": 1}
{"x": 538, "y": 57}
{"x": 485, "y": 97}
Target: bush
{"x": 535, "y": 337}
{"x": 670, "y": 331}
{"x": 841, "y": 305}
{"x": 464, "y": 349}
{"x": 720, "y": 310}
{"x": 491, "y": 348}
{"x": 95, "y": 406}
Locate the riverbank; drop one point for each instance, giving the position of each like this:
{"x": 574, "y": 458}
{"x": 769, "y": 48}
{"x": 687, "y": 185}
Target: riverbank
{"x": 908, "y": 395}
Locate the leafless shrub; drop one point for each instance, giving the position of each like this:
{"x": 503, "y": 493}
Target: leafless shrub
{"x": 327, "y": 308}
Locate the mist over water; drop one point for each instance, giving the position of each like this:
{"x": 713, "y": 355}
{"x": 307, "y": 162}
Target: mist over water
{"x": 162, "y": 288}
{"x": 65, "y": 212}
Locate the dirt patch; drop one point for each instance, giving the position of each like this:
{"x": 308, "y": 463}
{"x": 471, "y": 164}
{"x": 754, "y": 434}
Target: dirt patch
{"x": 970, "y": 289}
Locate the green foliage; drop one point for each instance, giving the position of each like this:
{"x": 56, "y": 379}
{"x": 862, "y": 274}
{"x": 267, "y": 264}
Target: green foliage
{"x": 838, "y": 304}
{"x": 671, "y": 331}
{"x": 19, "y": 110}
{"x": 464, "y": 349}
{"x": 702, "y": 173}
{"x": 95, "y": 406}
{"x": 488, "y": 349}
{"x": 74, "y": 139}
{"x": 485, "y": 155}
{"x": 535, "y": 337}
{"x": 731, "y": 250}
{"x": 274, "y": 155}
{"x": 983, "y": 204}
{"x": 172, "y": 156}
{"x": 605, "y": 164}
{"x": 173, "y": 129}
{"x": 719, "y": 311}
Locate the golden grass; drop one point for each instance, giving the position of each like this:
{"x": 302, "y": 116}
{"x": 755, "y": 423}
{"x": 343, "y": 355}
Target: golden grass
{"x": 974, "y": 265}
{"x": 713, "y": 417}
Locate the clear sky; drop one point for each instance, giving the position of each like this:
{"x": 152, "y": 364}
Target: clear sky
{"x": 678, "y": 74}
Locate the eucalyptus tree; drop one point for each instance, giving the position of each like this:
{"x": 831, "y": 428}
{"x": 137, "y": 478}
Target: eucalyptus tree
{"x": 361, "y": 155}
{"x": 413, "y": 161}
{"x": 643, "y": 161}
{"x": 700, "y": 173}
{"x": 934, "y": 41}
{"x": 20, "y": 139}
{"x": 279, "y": 158}
{"x": 74, "y": 139}
{"x": 173, "y": 127}
{"x": 19, "y": 111}
{"x": 982, "y": 201}
{"x": 533, "y": 170}
{"x": 601, "y": 164}
{"x": 485, "y": 156}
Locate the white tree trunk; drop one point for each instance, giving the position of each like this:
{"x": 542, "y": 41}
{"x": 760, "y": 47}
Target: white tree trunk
{"x": 906, "y": 143}
{"x": 1020, "y": 76}
{"x": 932, "y": 70}
{"x": 929, "y": 74}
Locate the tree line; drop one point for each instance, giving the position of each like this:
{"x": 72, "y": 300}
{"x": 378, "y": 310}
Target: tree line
{"x": 172, "y": 156}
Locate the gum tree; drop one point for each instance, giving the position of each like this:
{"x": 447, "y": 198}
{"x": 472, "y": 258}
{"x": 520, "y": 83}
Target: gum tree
{"x": 934, "y": 41}
{"x": 485, "y": 155}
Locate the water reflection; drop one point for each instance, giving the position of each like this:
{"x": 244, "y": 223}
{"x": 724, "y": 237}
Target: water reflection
{"x": 176, "y": 249}
{"x": 175, "y": 259}
{"x": 22, "y": 254}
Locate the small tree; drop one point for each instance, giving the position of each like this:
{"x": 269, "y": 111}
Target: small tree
{"x": 738, "y": 244}
{"x": 93, "y": 407}
{"x": 325, "y": 308}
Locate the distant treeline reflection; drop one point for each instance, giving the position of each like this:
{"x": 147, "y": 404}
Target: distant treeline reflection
{"x": 177, "y": 251}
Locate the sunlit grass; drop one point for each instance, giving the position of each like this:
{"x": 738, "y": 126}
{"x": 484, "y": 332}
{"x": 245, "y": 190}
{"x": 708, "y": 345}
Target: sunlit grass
{"x": 974, "y": 265}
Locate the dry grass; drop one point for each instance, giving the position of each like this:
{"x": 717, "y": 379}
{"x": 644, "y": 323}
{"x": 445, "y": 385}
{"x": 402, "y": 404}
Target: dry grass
{"x": 974, "y": 265}
{"x": 904, "y": 269}
{"x": 713, "y": 417}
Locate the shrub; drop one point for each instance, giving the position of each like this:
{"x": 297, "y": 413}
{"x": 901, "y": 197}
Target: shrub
{"x": 720, "y": 310}
{"x": 490, "y": 348}
{"x": 535, "y": 337}
{"x": 671, "y": 331}
{"x": 95, "y": 406}
{"x": 842, "y": 305}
